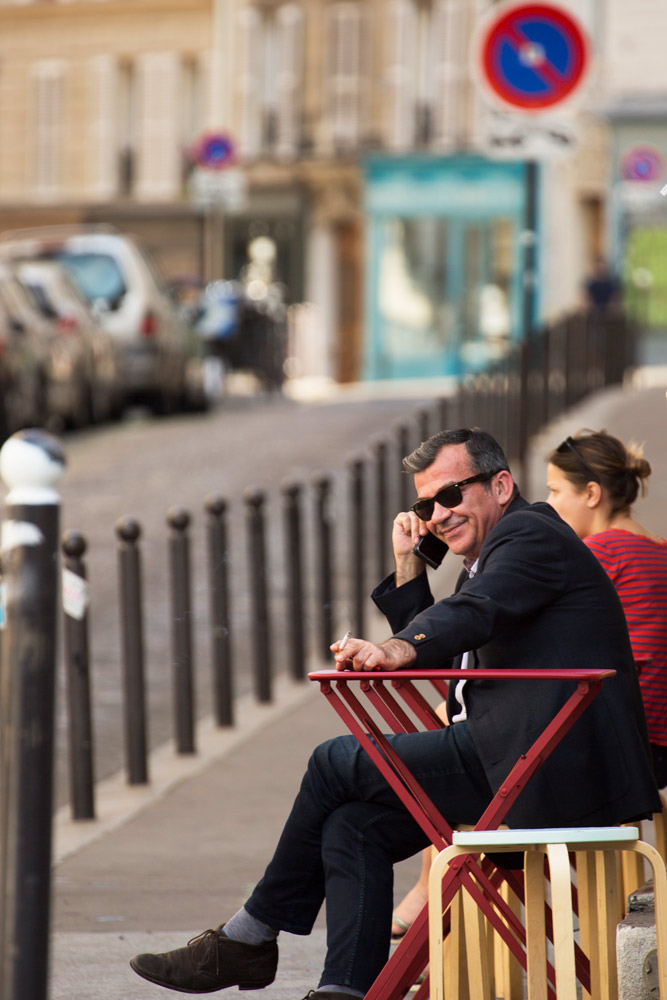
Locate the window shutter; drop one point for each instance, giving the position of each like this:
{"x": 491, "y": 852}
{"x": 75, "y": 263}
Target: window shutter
{"x": 400, "y": 74}
{"x": 206, "y": 76}
{"x": 159, "y": 153}
{"x": 102, "y": 150}
{"x": 289, "y": 29}
{"x": 47, "y": 129}
{"x": 344, "y": 78}
{"x": 251, "y": 46}
{"x": 451, "y": 54}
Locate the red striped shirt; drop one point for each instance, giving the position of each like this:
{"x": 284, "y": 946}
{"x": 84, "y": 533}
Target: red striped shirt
{"x": 637, "y": 566}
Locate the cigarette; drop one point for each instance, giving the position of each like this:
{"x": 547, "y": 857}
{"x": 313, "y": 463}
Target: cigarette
{"x": 342, "y": 641}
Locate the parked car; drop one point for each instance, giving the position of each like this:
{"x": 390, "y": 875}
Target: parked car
{"x": 125, "y": 290}
{"x": 57, "y": 392}
{"x": 98, "y": 358}
{"x": 21, "y": 367}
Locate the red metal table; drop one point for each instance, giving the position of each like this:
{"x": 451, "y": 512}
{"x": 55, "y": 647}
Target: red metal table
{"x": 404, "y": 708}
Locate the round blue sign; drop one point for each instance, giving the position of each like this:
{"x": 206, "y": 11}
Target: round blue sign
{"x": 214, "y": 150}
{"x": 533, "y": 56}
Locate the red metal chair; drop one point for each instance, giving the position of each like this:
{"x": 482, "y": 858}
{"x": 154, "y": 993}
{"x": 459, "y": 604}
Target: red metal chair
{"x": 402, "y": 706}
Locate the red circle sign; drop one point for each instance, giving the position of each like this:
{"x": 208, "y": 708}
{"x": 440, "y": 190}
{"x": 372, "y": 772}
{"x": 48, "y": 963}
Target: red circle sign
{"x": 642, "y": 163}
{"x": 214, "y": 150}
{"x": 533, "y": 56}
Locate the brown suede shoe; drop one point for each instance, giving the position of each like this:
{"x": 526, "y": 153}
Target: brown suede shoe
{"x": 211, "y": 962}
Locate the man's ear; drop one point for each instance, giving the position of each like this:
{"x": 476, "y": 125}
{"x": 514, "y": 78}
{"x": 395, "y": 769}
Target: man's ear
{"x": 503, "y": 487}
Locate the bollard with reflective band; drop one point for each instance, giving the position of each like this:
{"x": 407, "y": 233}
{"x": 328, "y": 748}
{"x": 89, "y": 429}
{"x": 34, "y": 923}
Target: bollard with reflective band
{"x": 31, "y": 464}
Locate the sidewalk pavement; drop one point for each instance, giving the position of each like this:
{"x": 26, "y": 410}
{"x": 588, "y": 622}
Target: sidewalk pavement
{"x": 162, "y": 863}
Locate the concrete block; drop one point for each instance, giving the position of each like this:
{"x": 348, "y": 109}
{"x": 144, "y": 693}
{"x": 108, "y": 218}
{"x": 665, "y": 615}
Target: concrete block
{"x": 635, "y": 938}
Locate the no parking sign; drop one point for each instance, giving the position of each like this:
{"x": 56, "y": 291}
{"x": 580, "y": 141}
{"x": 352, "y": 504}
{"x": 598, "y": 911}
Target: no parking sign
{"x": 532, "y": 56}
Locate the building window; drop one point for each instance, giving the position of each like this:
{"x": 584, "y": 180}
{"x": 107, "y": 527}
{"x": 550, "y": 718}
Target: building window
{"x": 128, "y": 128}
{"x": 47, "y": 128}
{"x": 192, "y": 111}
{"x": 270, "y": 81}
{"x": 158, "y": 166}
{"x": 427, "y": 80}
{"x": 345, "y": 78}
{"x": 289, "y": 32}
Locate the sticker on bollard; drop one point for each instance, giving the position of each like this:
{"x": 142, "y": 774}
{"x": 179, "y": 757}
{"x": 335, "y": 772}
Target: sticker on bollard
{"x": 75, "y": 595}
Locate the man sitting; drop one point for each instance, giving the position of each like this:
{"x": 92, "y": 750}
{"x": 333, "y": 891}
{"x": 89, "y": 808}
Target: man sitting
{"x": 531, "y": 595}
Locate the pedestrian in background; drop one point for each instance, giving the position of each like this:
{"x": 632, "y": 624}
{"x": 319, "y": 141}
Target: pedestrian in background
{"x": 602, "y": 288}
{"x": 593, "y": 480}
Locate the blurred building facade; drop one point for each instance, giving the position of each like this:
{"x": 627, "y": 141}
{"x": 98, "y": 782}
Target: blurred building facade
{"x": 418, "y": 228}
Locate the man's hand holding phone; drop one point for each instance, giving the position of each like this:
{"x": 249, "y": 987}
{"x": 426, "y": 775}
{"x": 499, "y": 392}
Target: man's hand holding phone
{"x": 414, "y": 547}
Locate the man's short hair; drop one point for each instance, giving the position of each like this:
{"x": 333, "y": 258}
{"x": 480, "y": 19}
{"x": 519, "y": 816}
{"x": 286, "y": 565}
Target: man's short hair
{"x": 486, "y": 455}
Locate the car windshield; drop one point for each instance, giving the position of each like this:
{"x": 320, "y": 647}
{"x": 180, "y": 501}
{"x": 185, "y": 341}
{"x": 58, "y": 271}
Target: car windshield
{"x": 97, "y": 276}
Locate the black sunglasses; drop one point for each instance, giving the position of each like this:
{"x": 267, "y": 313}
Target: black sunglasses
{"x": 450, "y": 496}
{"x": 568, "y": 445}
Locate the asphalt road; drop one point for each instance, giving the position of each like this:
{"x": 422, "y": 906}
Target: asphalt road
{"x": 141, "y": 467}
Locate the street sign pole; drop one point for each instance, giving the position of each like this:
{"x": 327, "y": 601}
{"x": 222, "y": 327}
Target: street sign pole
{"x": 530, "y": 248}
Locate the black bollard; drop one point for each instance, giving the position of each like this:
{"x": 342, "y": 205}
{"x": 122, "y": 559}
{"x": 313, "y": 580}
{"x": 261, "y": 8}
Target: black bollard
{"x": 31, "y": 463}
{"x": 324, "y": 544}
{"x": 254, "y": 500}
{"x": 294, "y": 572}
{"x": 132, "y": 632}
{"x": 357, "y": 545}
{"x": 424, "y": 418}
{"x": 77, "y": 668}
{"x": 382, "y": 532}
{"x": 402, "y": 441}
{"x": 445, "y": 415}
{"x": 221, "y": 643}
{"x": 178, "y": 521}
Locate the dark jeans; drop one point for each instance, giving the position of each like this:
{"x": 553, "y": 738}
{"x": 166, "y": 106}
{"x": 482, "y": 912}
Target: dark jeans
{"x": 346, "y": 830}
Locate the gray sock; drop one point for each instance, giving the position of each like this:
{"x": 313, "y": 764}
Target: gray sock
{"x": 330, "y": 988}
{"x": 243, "y": 927}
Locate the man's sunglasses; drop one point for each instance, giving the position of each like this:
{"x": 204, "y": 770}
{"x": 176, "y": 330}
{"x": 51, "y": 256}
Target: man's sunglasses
{"x": 450, "y": 496}
{"x": 568, "y": 445}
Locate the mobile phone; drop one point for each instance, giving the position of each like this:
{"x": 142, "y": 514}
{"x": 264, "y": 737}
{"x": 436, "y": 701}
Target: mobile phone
{"x": 431, "y": 549}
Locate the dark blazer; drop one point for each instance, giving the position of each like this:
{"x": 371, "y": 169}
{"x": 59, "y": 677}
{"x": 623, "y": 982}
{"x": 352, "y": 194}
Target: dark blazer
{"x": 540, "y": 599}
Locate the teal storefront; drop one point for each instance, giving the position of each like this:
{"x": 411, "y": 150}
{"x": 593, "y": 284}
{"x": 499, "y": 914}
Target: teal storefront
{"x": 446, "y": 241}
